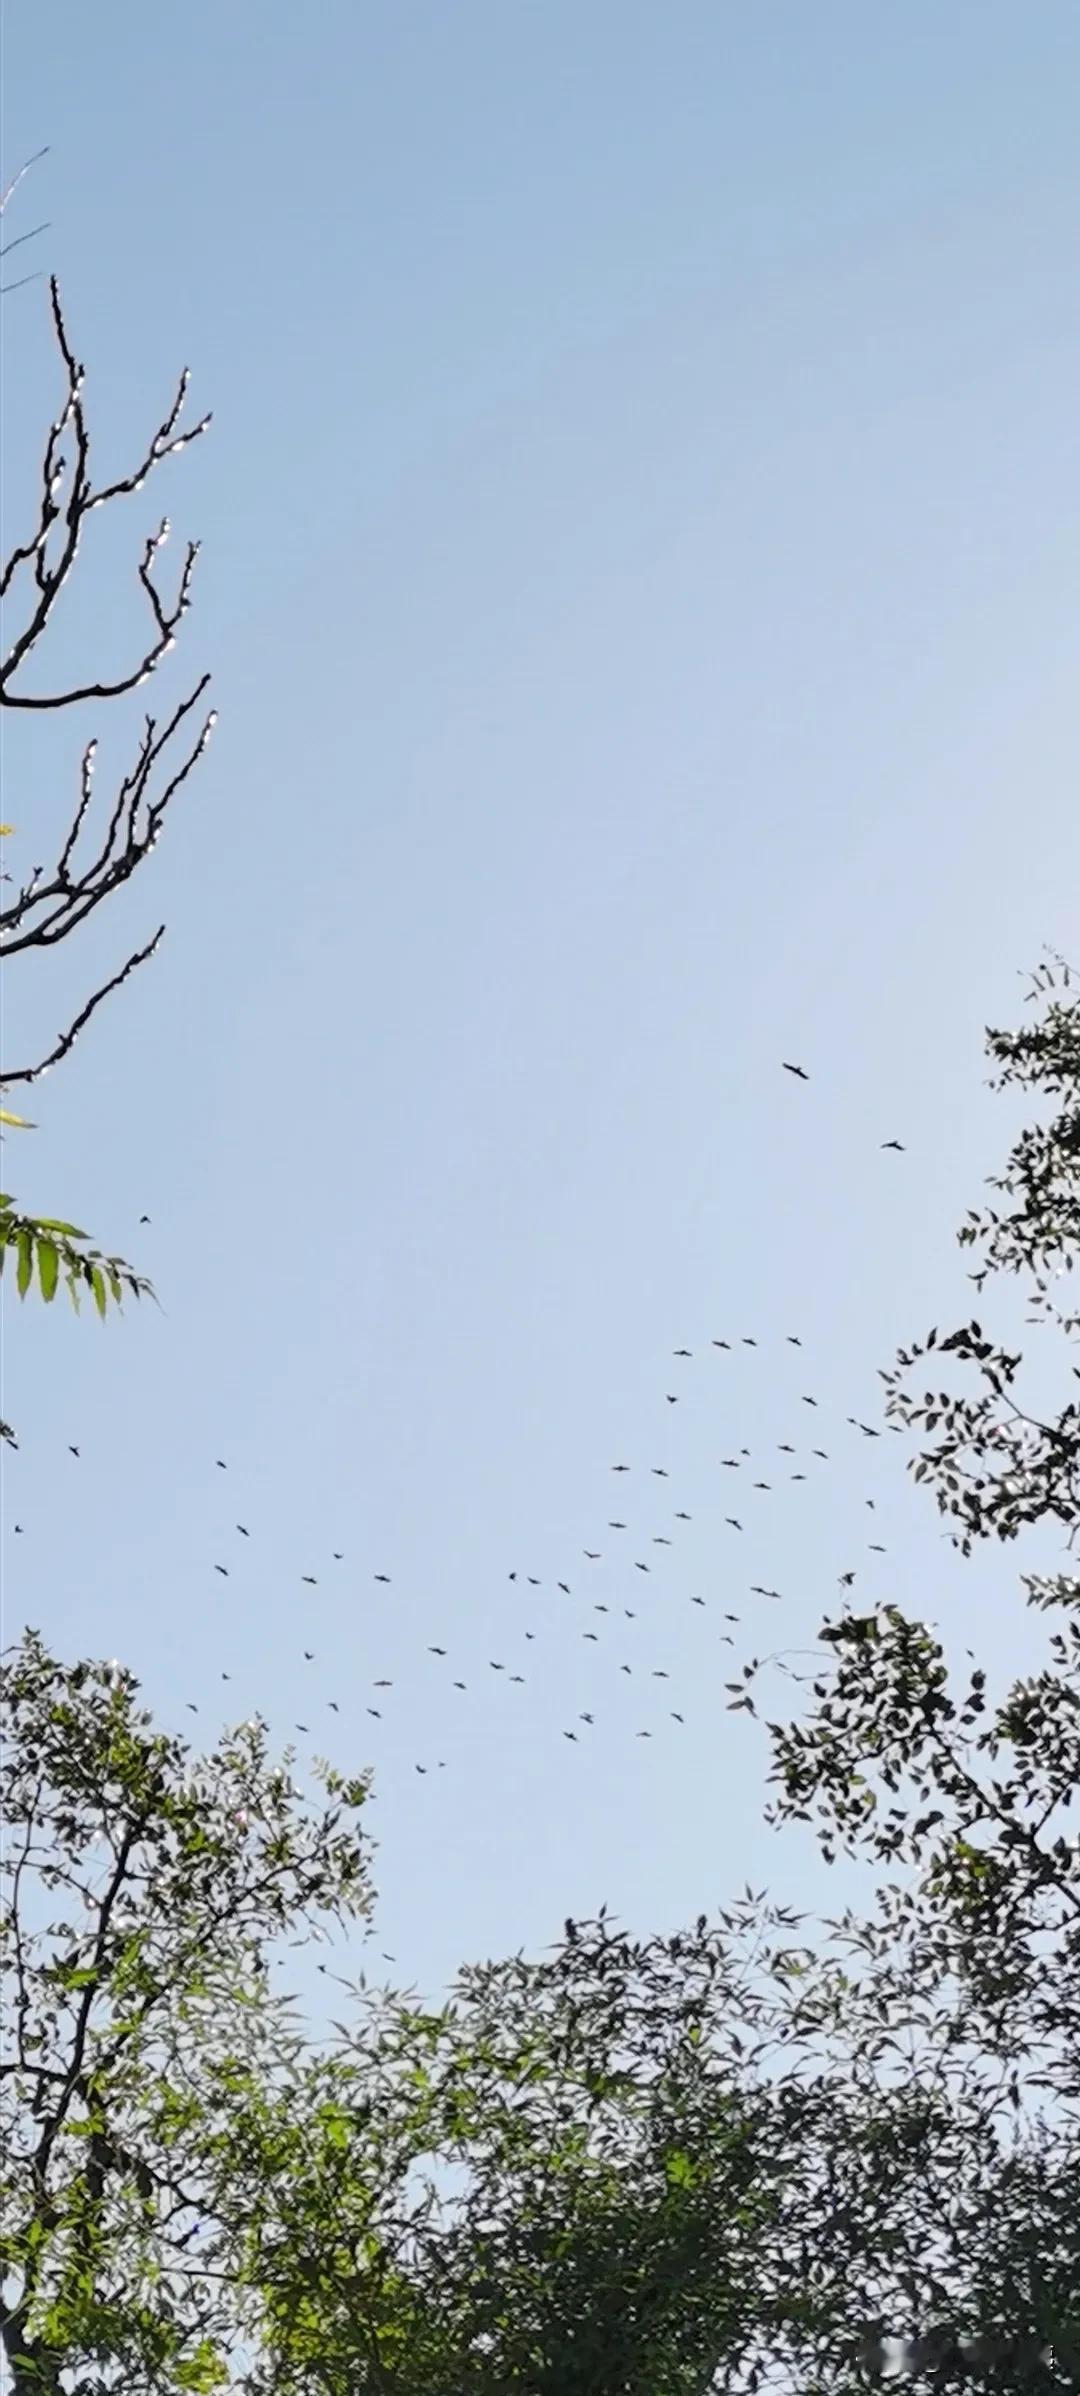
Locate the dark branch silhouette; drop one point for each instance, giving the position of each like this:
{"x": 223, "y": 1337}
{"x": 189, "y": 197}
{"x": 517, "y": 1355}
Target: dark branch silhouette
{"x": 53, "y": 901}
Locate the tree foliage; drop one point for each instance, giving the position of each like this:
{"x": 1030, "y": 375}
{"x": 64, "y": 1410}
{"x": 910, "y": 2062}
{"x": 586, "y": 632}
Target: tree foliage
{"x": 143, "y": 1892}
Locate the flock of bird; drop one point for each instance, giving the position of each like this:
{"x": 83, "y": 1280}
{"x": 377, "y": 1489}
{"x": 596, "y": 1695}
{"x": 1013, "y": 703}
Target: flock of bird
{"x": 618, "y": 1598}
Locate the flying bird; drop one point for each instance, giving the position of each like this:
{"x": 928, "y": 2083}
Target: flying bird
{"x": 221, "y": 1464}
{"x": 671, "y": 1401}
{"x": 243, "y": 1530}
{"x": 497, "y": 1667}
{"x": 593, "y": 1554}
{"x": 678, "y": 1717}
{"x": 799, "y": 1071}
{"x": 565, "y": 1587}
{"x": 809, "y": 1401}
{"x": 697, "y": 1601}
{"x": 846, "y": 1580}
{"x": 792, "y": 1340}
{"x": 616, "y": 1526}
{"x": 436, "y": 1651}
{"x": 223, "y": 1569}
{"x": 384, "y": 1577}
{"x": 309, "y": 1580}
{"x": 722, "y": 1343}
{"x": 661, "y": 1472}
{"x": 374, "y": 1712}
{"x": 659, "y": 1540}
{"x": 680, "y": 1517}
{"x": 897, "y": 1144}
{"x": 620, "y": 1468}
{"x": 682, "y": 1351}
{"x": 459, "y": 1684}
{"x": 735, "y": 1526}
{"x": 72, "y": 1451}
{"x": 640, "y": 1567}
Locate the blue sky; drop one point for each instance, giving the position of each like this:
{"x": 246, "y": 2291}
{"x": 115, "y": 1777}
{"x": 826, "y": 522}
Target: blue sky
{"x": 639, "y": 578}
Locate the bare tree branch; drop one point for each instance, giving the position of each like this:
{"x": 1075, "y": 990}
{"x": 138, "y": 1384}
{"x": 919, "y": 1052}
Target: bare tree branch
{"x": 54, "y": 900}
{"x": 68, "y": 497}
{"x": 48, "y": 907}
{"x": 66, "y": 1041}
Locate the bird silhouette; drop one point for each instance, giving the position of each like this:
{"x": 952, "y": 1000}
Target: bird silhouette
{"x": 730, "y": 1518}
{"x": 384, "y": 1577}
{"x": 799, "y": 1071}
{"x": 640, "y": 1567}
{"x": 593, "y": 1554}
{"x": 616, "y": 1526}
{"x": 661, "y": 1472}
{"x": 374, "y": 1712}
{"x": 722, "y": 1343}
{"x": 809, "y": 1401}
{"x": 659, "y": 1540}
{"x": 309, "y": 1580}
{"x": 243, "y": 1530}
{"x": 682, "y": 1351}
{"x": 223, "y": 1569}
{"x": 678, "y": 1717}
{"x": 436, "y": 1651}
{"x": 72, "y": 1451}
{"x": 680, "y": 1517}
{"x": 793, "y": 1339}
{"x": 671, "y": 1401}
{"x": 846, "y": 1580}
{"x": 897, "y": 1144}
{"x": 565, "y": 1587}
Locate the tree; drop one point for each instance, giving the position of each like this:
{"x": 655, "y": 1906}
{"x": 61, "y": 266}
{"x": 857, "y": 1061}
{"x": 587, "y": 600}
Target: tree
{"x": 100, "y": 848}
{"x": 975, "y": 1953}
{"x": 144, "y": 1890}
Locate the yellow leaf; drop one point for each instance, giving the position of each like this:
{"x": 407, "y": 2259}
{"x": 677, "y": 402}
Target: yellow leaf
{"x": 19, "y": 1121}
{"x": 5, "y": 829}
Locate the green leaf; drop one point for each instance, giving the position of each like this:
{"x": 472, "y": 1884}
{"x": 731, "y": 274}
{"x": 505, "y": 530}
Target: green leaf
{"x": 48, "y": 1269}
{"x": 97, "y": 1283}
{"x": 25, "y": 1249}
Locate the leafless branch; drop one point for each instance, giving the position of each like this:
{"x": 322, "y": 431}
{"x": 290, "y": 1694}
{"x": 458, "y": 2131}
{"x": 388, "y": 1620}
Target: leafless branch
{"x": 54, "y": 900}
{"x": 11, "y": 188}
{"x": 66, "y": 1041}
{"x": 51, "y": 905}
{"x": 68, "y": 498}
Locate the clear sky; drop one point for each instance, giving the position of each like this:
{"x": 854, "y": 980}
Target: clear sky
{"x": 639, "y": 574}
